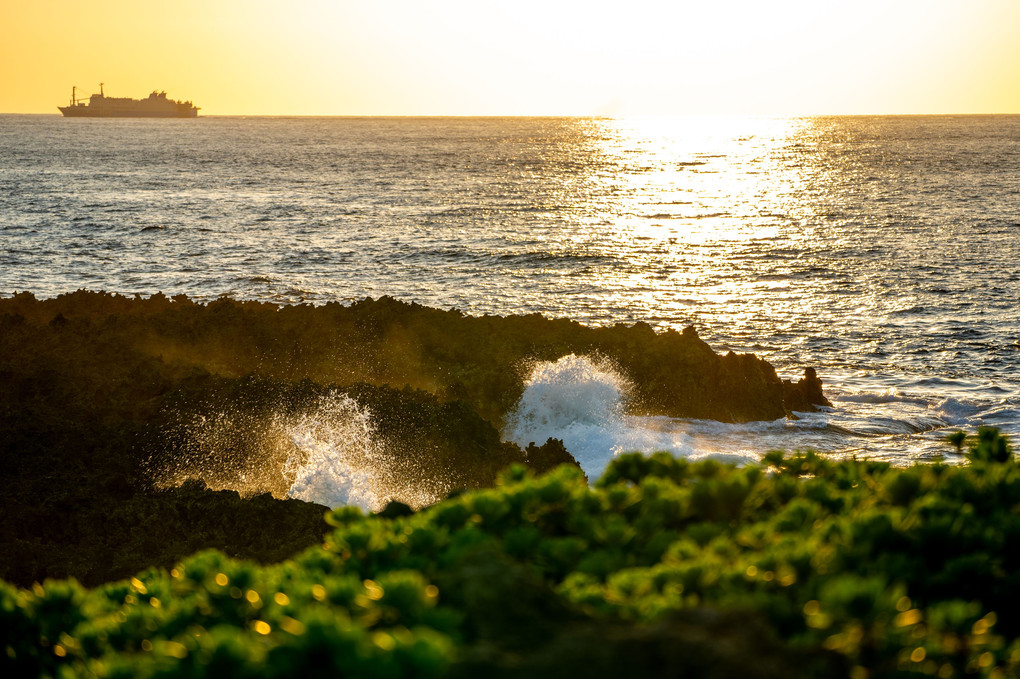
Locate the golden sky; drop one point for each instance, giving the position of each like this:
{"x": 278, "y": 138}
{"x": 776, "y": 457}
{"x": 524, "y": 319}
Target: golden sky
{"x": 525, "y": 57}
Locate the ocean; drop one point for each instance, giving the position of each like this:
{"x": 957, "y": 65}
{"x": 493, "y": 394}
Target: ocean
{"x": 882, "y": 251}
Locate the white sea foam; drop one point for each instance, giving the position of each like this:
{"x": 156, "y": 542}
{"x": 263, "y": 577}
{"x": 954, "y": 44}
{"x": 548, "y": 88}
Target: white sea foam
{"x": 582, "y": 401}
{"x": 336, "y": 455}
{"x": 955, "y": 411}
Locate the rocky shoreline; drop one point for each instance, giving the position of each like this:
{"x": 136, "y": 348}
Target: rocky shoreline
{"x": 94, "y": 388}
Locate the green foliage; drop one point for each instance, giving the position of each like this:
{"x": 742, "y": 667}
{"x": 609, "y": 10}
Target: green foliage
{"x": 990, "y": 446}
{"x": 805, "y": 567}
{"x": 987, "y": 446}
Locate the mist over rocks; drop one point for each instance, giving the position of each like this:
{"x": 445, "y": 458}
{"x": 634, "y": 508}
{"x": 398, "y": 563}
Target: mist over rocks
{"x": 107, "y": 403}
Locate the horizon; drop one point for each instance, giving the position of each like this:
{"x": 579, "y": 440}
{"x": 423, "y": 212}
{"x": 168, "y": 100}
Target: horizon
{"x": 453, "y": 58}
{"x": 469, "y": 116}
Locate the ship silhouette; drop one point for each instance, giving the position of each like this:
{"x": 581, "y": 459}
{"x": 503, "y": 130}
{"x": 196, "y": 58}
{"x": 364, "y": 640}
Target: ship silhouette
{"x": 156, "y": 105}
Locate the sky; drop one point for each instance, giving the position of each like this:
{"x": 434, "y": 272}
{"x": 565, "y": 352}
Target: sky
{"x": 527, "y": 57}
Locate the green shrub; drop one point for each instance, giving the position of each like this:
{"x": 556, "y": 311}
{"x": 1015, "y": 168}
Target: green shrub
{"x": 807, "y": 567}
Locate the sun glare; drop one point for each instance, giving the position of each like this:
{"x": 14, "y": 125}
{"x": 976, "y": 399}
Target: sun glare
{"x": 549, "y": 57}
{"x": 678, "y": 204}
{"x": 669, "y": 183}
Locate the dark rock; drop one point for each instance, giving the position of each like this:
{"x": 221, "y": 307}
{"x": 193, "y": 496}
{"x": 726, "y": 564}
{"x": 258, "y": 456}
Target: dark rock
{"x": 395, "y": 508}
{"x": 549, "y": 455}
{"x": 805, "y": 394}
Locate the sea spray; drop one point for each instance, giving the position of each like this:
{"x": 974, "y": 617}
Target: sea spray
{"x": 324, "y": 448}
{"x": 227, "y": 448}
{"x": 336, "y": 457}
{"x": 581, "y": 401}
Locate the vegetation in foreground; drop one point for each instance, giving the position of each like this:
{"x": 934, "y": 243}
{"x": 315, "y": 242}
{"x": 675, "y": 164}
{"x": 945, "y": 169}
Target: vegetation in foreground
{"x": 805, "y": 567}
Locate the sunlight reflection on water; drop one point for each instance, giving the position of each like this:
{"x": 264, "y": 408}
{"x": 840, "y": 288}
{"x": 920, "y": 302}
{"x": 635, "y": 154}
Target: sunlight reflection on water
{"x": 880, "y": 250}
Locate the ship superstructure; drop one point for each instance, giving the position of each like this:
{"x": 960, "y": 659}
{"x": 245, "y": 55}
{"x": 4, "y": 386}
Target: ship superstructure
{"x": 156, "y": 105}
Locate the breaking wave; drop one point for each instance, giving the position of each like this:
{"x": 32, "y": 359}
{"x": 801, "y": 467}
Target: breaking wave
{"x": 336, "y": 456}
{"x": 328, "y": 452}
{"x": 582, "y": 401}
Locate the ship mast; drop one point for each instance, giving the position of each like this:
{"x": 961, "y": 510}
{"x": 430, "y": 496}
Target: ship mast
{"x": 101, "y": 90}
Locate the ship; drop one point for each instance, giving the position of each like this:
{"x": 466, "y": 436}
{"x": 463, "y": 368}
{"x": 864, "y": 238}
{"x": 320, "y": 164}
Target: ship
{"x": 156, "y": 105}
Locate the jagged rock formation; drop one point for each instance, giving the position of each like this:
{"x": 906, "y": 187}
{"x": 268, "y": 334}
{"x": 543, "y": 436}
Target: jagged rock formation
{"x": 804, "y": 395}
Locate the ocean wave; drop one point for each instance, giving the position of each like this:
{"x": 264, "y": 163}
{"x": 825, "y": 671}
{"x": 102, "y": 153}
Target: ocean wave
{"x": 1006, "y": 416}
{"x": 891, "y": 426}
{"x": 581, "y": 400}
{"x": 577, "y": 400}
{"x": 888, "y": 396}
{"x": 544, "y": 256}
{"x": 461, "y": 254}
{"x": 335, "y": 455}
{"x": 955, "y": 411}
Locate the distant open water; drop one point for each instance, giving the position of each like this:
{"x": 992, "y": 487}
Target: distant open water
{"x": 884, "y": 251}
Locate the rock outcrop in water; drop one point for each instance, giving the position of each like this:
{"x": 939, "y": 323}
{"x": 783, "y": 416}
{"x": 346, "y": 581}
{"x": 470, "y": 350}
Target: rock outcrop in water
{"x": 100, "y": 396}
{"x": 804, "y": 395}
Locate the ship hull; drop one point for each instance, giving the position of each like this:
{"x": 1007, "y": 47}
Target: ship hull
{"x": 91, "y": 112}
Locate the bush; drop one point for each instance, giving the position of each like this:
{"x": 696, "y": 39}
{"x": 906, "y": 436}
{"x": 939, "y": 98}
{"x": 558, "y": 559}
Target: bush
{"x": 806, "y": 568}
